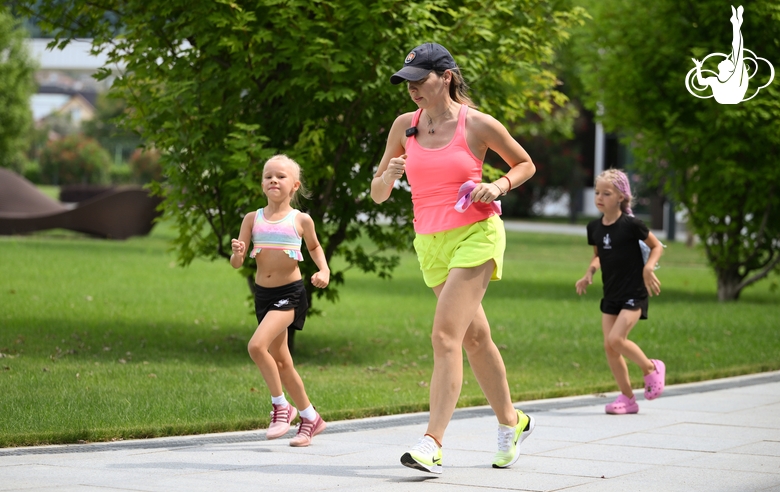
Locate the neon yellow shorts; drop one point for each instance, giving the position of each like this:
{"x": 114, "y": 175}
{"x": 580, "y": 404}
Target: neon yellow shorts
{"x": 463, "y": 247}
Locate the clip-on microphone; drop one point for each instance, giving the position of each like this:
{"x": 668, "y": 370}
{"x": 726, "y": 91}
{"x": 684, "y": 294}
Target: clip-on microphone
{"x": 411, "y": 131}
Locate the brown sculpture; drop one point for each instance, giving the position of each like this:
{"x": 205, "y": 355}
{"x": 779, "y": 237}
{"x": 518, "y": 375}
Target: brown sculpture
{"x": 118, "y": 213}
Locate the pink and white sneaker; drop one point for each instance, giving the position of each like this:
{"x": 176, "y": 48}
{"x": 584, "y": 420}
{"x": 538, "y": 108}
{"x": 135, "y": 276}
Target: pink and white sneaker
{"x": 306, "y": 430}
{"x": 281, "y": 418}
{"x": 622, "y": 405}
{"x": 655, "y": 381}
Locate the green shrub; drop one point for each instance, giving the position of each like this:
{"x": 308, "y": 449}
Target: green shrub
{"x": 121, "y": 173}
{"x": 74, "y": 159}
{"x": 31, "y": 171}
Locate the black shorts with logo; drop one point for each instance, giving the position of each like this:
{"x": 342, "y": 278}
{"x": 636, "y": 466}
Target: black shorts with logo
{"x": 614, "y": 307}
{"x": 283, "y": 298}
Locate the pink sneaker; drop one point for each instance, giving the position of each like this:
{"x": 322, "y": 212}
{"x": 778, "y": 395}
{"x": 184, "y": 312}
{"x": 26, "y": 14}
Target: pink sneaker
{"x": 306, "y": 430}
{"x": 655, "y": 381}
{"x": 281, "y": 418}
{"x": 622, "y": 405}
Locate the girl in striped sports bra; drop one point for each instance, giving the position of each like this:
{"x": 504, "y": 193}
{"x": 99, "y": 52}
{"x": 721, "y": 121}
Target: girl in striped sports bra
{"x": 277, "y": 232}
{"x": 440, "y": 147}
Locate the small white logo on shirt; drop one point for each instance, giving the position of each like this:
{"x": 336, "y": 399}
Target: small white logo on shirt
{"x": 282, "y": 302}
{"x": 607, "y": 242}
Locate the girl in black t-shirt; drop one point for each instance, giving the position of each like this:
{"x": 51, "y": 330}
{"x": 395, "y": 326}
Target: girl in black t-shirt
{"x": 628, "y": 280}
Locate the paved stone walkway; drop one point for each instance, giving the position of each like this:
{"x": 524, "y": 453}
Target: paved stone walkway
{"x": 721, "y": 435}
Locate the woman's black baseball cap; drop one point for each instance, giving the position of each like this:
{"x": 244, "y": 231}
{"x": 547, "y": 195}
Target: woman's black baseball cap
{"x": 423, "y": 60}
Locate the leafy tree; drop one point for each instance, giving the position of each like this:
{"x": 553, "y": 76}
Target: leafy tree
{"x": 17, "y": 85}
{"x": 74, "y": 159}
{"x": 718, "y": 161}
{"x": 107, "y": 127}
{"x": 222, "y": 85}
{"x": 549, "y": 139}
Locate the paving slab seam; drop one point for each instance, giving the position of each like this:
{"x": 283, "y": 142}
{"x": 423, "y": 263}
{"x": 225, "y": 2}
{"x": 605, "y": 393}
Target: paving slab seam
{"x": 373, "y": 423}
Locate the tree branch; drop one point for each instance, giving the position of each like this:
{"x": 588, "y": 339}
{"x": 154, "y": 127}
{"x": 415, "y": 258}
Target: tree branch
{"x": 735, "y": 244}
{"x": 763, "y": 273}
{"x": 761, "y": 229}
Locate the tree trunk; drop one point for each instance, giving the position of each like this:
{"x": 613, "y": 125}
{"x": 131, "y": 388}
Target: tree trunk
{"x": 575, "y": 203}
{"x": 656, "y": 210}
{"x": 728, "y": 285}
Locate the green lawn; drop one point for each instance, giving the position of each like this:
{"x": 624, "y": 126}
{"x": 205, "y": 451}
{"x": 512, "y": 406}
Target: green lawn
{"x": 110, "y": 339}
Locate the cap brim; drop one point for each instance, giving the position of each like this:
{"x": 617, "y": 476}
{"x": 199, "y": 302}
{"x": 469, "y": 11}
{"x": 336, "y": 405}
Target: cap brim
{"x": 409, "y": 73}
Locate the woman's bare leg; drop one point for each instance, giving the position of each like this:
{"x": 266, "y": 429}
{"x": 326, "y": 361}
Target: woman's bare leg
{"x": 489, "y": 369}
{"x": 459, "y": 299}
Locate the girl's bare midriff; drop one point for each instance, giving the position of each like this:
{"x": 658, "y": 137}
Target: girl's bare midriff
{"x": 275, "y": 268}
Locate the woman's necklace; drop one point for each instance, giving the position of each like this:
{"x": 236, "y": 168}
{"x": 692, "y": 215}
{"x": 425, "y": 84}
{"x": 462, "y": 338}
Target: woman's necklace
{"x": 430, "y": 120}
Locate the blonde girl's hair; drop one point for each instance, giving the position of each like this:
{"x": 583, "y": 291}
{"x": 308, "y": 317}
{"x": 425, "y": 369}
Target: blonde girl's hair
{"x": 619, "y": 180}
{"x": 459, "y": 89}
{"x": 302, "y": 191}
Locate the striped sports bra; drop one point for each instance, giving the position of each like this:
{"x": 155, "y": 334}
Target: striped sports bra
{"x": 281, "y": 234}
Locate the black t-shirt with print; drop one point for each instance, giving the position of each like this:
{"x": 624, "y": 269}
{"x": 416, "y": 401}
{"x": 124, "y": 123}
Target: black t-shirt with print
{"x": 620, "y": 256}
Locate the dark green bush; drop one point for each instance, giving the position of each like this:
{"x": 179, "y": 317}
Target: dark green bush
{"x": 31, "y": 171}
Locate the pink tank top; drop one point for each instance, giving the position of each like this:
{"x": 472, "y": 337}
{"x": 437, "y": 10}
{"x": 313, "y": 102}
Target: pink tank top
{"x": 435, "y": 175}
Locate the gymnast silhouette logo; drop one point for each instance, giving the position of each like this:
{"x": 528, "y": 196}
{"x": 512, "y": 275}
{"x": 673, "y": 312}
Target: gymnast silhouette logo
{"x": 735, "y": 70}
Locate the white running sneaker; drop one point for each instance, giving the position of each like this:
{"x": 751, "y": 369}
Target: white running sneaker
{"x": 425, "y": 456}
{"x": 509, "y": 438}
